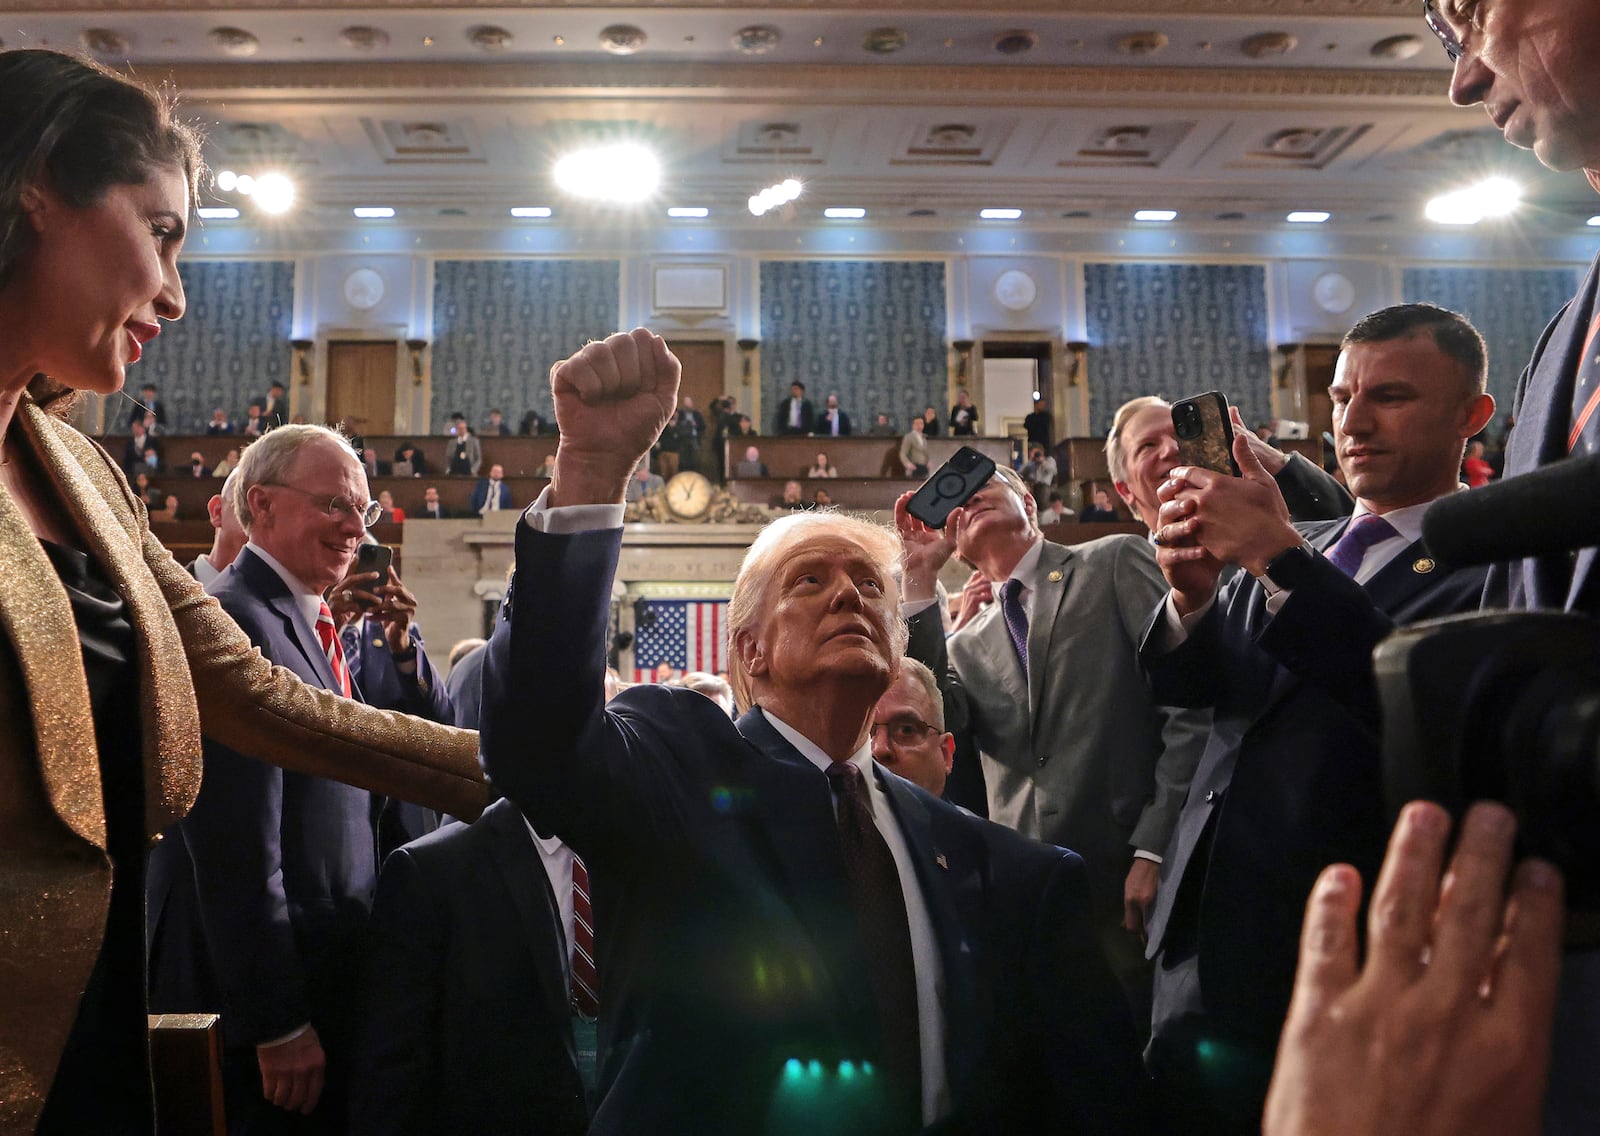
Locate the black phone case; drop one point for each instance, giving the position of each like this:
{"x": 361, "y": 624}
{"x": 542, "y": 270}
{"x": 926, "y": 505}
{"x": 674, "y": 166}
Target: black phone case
{"x": 1213, "y": 449}
{"x": 951, "y": 486}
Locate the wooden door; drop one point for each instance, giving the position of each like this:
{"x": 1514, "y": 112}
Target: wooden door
{"x": 361, "y": 380}
{"x": 705, "y": 376}
{"x": 1319, "y": 365}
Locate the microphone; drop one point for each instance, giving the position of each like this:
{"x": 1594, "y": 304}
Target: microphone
{"x": 1543, "y": 513}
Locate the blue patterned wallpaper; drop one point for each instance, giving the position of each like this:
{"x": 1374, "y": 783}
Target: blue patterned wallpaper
{"x": 230, "y": 345}
{"x": 871, "y": 331}
{"x": 500, "y": 325}
{"x": 1509, "y": 307}
{"x": 1177, "y": 330}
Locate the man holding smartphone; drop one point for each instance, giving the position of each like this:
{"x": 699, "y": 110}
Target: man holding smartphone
{"x": 1291, "y": 777}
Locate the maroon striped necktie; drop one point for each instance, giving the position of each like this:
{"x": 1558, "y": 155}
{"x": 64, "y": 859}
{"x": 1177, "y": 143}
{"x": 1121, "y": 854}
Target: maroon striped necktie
{"x": 585, "y": 978}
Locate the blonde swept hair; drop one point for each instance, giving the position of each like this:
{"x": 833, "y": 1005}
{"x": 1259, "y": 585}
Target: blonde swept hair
{"x": 1116, "y": 460}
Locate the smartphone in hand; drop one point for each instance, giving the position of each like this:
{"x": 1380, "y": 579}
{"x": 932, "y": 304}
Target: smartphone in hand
{"x": 375, "y": 558}
{"x": 1205, "y": 434}
{"x": 950, "y": 487}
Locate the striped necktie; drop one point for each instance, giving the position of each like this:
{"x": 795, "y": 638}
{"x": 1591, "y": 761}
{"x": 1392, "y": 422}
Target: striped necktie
{"x": 329, "y": 638}
{"x": 1584, "y": 437}
{"x": 1016, "y": 617}
{"x": 585, "y": 978}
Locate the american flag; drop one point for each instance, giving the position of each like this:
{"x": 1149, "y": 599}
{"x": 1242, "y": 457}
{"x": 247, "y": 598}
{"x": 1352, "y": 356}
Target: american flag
{"x": 692, "y": 635}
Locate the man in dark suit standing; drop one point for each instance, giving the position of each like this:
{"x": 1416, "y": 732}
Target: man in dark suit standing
{"x": 149, "y": 411}
{"x": 797, "y": 939}
{"x": 283, "y": 864}
{"x": 690, "y": 435}
{"x": 834, "y": 423}
{"x": 464, "y": 1022}
{"x": 274, "y": 406}
{"x": 1291, "y": 778}
{"x": 795, "y": 414}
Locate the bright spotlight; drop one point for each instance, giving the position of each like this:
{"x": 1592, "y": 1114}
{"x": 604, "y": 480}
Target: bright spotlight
{"x": 227, "y": 180}
{"x": 624, "y": 172}
{"x": 273, "y": 192}
{"x": 1156, "y": 215}
{"x": 1494, "y": 198}
{"x": 218, "y": 213}
{"x": 245, "y": 184}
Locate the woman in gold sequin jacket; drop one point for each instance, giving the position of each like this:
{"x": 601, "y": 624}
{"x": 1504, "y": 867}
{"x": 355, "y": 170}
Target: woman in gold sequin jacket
{"x": 112, "y": 660}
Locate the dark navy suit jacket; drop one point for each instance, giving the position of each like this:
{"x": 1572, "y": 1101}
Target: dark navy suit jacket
{"x": 480, "y": 495}
{"x": 1291, "y": 778}
{"x": 259, "y": 895}
{"x": 712, "y": 847}
{"x": 464, "y": 1023}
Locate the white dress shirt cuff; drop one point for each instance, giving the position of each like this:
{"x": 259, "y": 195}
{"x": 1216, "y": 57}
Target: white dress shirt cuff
{"x": 1173, "y": 629}
{"x": 562, "y": 519}
{"x": 1141, "y": 854}
{"x": 912, "y": 607}
{"x": 285, "y": 1039}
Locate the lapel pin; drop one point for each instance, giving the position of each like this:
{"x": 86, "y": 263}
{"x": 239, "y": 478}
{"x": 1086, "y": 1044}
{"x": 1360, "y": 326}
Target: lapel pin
{"x": 377, "y": 642}
{"x": 1055, "y": 576}
{"x": 942, "y": 862}
{"x": 1423, "y": 566}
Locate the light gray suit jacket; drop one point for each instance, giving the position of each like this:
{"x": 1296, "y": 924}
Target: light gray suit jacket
{"x": 1077, "y": 753}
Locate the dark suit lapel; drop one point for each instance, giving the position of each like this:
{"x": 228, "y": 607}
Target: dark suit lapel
{"x": 522, "y": 868}
{"x": 1410, "y": 571}
{"x": 1051, "y": 578}
{"x": 269, "y": 587}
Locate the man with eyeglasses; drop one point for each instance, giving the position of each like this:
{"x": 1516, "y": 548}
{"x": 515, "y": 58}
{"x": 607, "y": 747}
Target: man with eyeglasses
{"x": 274, "y": 871}
{"x": 908, "y": 734}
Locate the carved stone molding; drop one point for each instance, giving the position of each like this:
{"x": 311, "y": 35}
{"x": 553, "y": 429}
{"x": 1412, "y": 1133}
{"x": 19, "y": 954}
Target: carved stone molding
{"x": 882, "y": 84}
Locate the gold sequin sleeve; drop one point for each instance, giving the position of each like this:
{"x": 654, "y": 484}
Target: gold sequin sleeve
{"x": 267, "y": 712}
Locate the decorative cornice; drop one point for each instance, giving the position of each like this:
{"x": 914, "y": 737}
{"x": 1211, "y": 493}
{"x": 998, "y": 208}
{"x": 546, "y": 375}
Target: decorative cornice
{"x": 840, "y": 83}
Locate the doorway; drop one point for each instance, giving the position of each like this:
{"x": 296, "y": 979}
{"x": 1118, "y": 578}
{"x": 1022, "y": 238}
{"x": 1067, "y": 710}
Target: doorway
{"x": 705, "y": 376}
{"x": 361, "y": 382}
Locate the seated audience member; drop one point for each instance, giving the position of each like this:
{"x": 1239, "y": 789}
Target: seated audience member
{"x": 546, "y": 467}
{"x": 1039, "y": 426}
{"x": 791, "y": 498}
{"x": 133, "y": 454}
{"x": 496, "y": 426}
{"x": 752, "y": 465}
{"x": 432, "y": 508}
{"x": 148, "y": 411}
{"x": 719, "y": 690}
{"x": 914, "y": 449}
{"x": 665, "y": 672}
{"x": 1379, "y": 1044}
{"x": 743, "y": 427}
{"x": 963, "y": 416}
{"x": 532, "y": 423}
{"x": 227, "y": 538}
{"x": 229, "y": 462}
{"x": 141, "y": 485}
{"x": 254, "y": 424}
{"x": 821, "y": 498}
{"x": 643, "y": 483}
{"x": 491, "y": 494}
{"x": 1039, "y": 473}
{"x": 197, "y": 465}
{"x": 776, "y": 838}
{"x": 884, "y": 428}
{"x": 219, "y": 423}
{"x": 413, "y": 458}
{"x": 1142, "y": 448}
{"x": 1056, "y": 511}
{"x": 1281, "y": 655}
{"x": 930, "y": 422}
{"x": 1103, "y": 509}
{"x": 833, "y": 421}
{"x": 908, "y": 734}
{"x": 152, "y": 457}
{"x": 392, "y": 513}
{"x": 822, "y": 467}
{"x": 370, "y": 462}
{"x": 168, "y": 510}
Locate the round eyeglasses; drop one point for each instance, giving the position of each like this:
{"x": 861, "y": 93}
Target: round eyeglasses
{"x": 904, "y": 731}
{"x": 338, "y": 507}
{"x": 1437, "y": 24}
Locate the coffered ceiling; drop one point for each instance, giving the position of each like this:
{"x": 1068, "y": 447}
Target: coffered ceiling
{"x": 1076, "y": 112}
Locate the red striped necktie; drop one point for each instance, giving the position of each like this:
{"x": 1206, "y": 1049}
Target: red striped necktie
{"x": 329, "y": 637}
{"x": 585, "y": 978}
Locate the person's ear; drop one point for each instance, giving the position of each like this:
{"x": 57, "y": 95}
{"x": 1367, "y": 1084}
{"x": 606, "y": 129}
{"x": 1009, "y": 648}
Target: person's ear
{"x": 947, "y": 746}
{"x": 748, "y": 649}
{"x": 36, "y": 205}
{"x": 1125, "y": 493}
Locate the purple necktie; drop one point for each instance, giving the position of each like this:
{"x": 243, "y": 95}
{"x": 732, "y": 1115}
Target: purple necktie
{"x": 1016, "y": 619}
{"x": 1350, "y": 549}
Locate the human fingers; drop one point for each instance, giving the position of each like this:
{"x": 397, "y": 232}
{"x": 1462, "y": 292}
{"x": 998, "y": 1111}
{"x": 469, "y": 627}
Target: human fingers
{"x": 1244, "y": 456}
{"x": 1328, "y": 940}
{"x": 659, "y": 368}
{"x": 1529, "y": 970}
{"x": 315, "y": 1080}
{"x": 904, "y": 522}
{"x": 1471, "y": 910}
{"x": 1400, "y": 921}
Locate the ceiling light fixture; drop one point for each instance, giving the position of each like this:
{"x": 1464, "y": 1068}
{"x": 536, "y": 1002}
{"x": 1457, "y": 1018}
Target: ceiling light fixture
{"x": 845, "y": 213}
{"x": 530, "y": 211}
{"x": 217, "y": 213}
{"x": 1000, "y": 214}
{"x": 373, "y": 212}
{"x": 775, "y": 196}
{"x": 1488, "y": 200}
{"x": 1593, "y": 222}
{"x": 620, "y": 173}
{"x": 688, "y": 211}
{"x": 1156, "y": 215}
{"x": 1308, "y": 217}
{"x": 273, "y": 192}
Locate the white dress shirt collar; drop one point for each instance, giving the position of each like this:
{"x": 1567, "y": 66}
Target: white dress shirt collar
{"x": 309, "y": 602}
